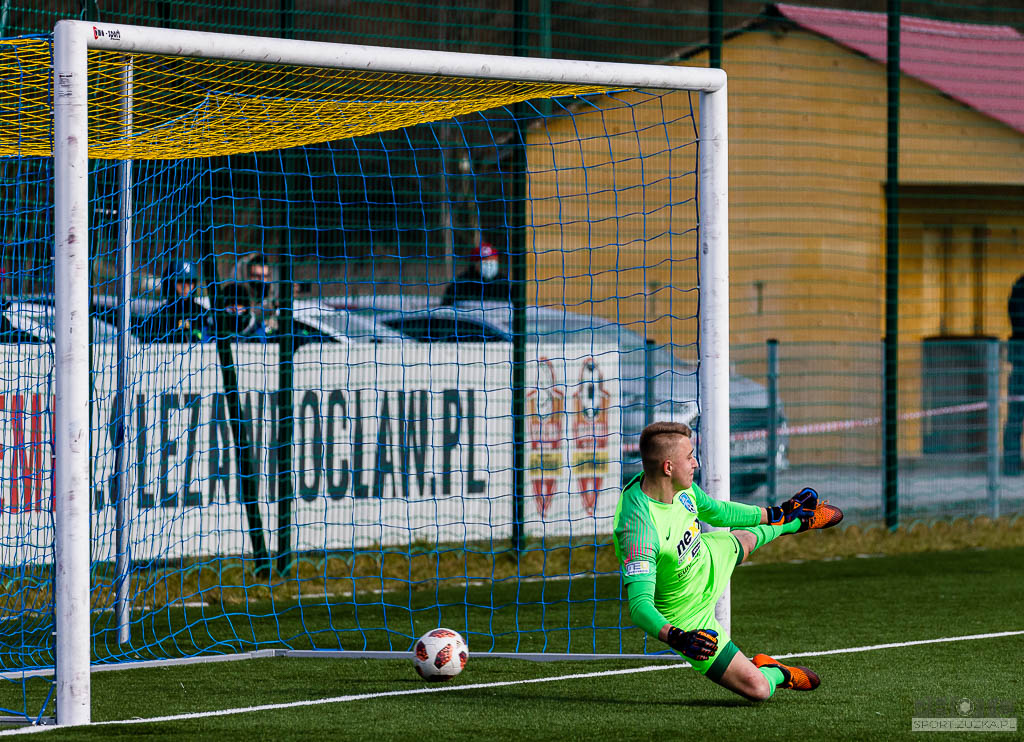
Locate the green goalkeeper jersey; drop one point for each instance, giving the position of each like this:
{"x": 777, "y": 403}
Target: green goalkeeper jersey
{"x": 661, "y": 543}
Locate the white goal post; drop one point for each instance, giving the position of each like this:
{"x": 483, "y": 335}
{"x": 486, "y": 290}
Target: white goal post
{"x": 73, "y": 40}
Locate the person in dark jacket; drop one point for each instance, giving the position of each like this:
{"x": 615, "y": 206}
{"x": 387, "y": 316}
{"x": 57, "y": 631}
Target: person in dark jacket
{"x": 180, "y": 319}
{"x": 238, "y": 314}
{"x": 1015, "y": 384}
{"x": 481, "y": 281}
{"x": 254, "y": 271}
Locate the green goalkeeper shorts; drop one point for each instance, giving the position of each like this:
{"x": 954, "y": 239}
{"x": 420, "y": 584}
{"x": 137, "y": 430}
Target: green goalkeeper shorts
{"x": 725, "y": 553}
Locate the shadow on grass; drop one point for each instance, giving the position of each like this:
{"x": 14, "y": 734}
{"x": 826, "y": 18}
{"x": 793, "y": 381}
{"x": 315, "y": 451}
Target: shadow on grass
{"x": 578, "y": 698}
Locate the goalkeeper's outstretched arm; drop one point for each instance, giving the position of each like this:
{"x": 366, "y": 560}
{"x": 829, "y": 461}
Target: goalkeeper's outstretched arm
{"x": 697, "y": 645}
{"x": 727, "y": 514}
{"x": 738, "y": 515}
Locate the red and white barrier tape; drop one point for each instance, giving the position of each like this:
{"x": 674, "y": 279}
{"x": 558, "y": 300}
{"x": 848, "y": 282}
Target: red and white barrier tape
{"x": 834, "y": 426}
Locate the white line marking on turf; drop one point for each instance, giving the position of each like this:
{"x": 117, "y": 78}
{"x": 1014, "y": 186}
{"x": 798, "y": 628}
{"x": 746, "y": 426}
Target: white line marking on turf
{"x": 498, "y": 684}
{"x": 895, "y": 645}
{"x": 359, "y": 697}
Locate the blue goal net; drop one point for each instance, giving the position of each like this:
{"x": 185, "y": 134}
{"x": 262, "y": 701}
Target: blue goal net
{"x": 348, "y": 391}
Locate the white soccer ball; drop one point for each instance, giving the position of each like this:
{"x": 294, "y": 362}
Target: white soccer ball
{"x": 440, "y": 654}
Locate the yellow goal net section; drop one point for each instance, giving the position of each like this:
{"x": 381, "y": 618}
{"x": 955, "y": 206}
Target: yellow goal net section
{"x": 184, "y": 107}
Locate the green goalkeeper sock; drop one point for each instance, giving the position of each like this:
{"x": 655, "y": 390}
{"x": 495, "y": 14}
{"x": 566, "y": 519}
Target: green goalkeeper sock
{"x": 774, "y": 676}
{"x": 767, "y": 534}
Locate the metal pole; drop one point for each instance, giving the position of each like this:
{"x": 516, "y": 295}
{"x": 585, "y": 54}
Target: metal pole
{"x": 545, "y": 29}
{"x": 122, "y": 567}
{"x": 241, "y": 429}
{"x": 89, "y": 10}
{"x": 241, "y": 426}
{"x": 649, "y": 382}
{"x": 444, "y": 135}
{"x": 772, "y": 445}
{"x": 286, "y": 354}
{"x": 890, "y": 363}
{"x": 992, "y": 420}
{"x": 713, "y": 276}
{"x": 285, "y": 487}
{"x": 516, "y": 226}
{"x": 71, "y": 419}
{"x": 5, "y": 13}
{"x": 714, "y": 33}
{"x": 447, "y": 219}
{"x": 545, "y": 38}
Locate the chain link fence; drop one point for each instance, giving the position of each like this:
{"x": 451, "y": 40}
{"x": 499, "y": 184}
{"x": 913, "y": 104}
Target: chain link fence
{"x": 884, "y": 273}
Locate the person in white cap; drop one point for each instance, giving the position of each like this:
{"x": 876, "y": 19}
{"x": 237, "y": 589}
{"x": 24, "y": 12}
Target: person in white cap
{"x": 482, "y": 281}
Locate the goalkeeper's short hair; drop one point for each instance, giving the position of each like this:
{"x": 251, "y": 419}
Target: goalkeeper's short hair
{"x": 656, "y": 440}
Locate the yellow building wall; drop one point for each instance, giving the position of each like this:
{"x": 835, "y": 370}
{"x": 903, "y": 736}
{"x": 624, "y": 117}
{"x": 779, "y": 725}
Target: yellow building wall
{"x": 807, "y": 214}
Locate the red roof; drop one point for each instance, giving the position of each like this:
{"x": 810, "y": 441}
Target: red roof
{"x": 980, "y": 66}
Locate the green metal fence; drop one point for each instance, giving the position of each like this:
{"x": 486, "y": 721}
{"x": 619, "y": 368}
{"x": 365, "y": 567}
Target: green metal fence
{"x": 877, "y": 208}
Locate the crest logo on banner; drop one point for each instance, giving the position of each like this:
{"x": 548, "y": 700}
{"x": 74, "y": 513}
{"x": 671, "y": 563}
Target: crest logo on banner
{"x": 591, "y": 403}
{"x": 545, "y": 412}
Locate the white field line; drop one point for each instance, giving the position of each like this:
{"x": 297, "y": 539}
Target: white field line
{"x": 499, "y": 684}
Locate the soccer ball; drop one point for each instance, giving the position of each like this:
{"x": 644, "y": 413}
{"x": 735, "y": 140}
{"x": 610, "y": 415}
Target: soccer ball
{"x": 440, "y": 654}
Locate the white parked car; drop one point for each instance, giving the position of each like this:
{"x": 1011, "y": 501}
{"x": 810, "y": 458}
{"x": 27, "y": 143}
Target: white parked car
{"x": 672, "y": 394}
{"x": 33, "y": 322}
{"x": 313, "y": 321}
{"x": 317, "y": 322}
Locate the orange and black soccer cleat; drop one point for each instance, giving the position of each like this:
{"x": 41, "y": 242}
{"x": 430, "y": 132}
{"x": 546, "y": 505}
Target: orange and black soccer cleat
{"x": 796, "y": 678}
{"x": 812, "y": 512}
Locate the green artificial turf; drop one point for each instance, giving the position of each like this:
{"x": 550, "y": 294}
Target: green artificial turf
{"x": 807, "y": 608}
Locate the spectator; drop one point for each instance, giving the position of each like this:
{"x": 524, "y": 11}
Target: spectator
{"x": 181, "y": 318}
{"x": 238, "y": 315}
{"x": 481, "y": 281}
{"x": 254, "y": 271}
{"x": 1015, "y": 384}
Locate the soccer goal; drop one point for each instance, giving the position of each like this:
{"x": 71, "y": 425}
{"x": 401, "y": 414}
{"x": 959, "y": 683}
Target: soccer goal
{"x": 357, "y": 454}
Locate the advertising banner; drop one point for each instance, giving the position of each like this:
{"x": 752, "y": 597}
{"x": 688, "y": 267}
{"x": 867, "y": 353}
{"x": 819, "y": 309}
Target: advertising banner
{"x": 394, "y": 444}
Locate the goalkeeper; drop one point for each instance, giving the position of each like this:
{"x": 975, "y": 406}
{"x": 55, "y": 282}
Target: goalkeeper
{"x": 674, "y": 575}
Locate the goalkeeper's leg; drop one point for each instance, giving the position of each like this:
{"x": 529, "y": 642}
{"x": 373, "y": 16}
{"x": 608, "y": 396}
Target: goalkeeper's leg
{"x": 758, "y": 682}
{"x": 799, "y": 513}
{"x": 754, "y": 537}
{"x": 727, "y": 666}
{"x": 811, "y": 511}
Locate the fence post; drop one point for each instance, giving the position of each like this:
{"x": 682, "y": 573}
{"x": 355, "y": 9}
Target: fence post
{"x": 517, "y": 246}
{"x": 890, "y": 353}
{"x": 772, "y": 442}
{"x": 649, "y": 382}
{"x": 992, "y": 424}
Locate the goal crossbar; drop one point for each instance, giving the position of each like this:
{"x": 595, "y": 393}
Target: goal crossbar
{"x": 239, "y": 48}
